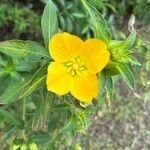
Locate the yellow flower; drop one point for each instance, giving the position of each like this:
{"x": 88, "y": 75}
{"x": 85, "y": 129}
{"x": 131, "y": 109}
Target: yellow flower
{"x": 75, "y": 65}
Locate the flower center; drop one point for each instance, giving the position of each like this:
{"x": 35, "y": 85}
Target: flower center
{"x": 75, "y": 66}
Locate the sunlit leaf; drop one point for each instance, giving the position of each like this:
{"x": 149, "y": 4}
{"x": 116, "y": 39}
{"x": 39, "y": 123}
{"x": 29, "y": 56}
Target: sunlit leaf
{"x": 22, "y": 49}
{"x": 36, "y": 82}
{"x": 98, "y": 23}
{"x": 12, "y": 118}
{"x": 69, "y": 124}
{"x": 13, "y": 91}
{"x": 40, "y": 137}
{"x": 109, "y": 88}
{"x": 63, "y": 106}
{"x": 126, "y": 74}
{"x": 123, "y": 45}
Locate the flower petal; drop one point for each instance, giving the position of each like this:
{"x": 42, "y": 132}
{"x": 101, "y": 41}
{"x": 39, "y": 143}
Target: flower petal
{"x": 58, "y": 79}
{"x": 84, "y": 87}
{"x": 95, "y": 55}
{"x": 64, "y": 46}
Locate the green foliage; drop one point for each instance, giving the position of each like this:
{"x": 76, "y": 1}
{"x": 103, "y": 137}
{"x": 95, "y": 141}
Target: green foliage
{"x": 49, "y": 22}
{"x": 98, "y": 23}
{"x": 13, "y": 91}
{"x": 17, "y": 18}
{"x": 126, "y": 74}
{"x": 36, "y": 82}
{"x": 30, "y": 116}
{"x": 21, "y": 49}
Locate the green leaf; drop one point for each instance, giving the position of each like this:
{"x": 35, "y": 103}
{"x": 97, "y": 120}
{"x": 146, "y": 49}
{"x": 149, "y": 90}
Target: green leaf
{"x": 123, "y": 45}
{"x": 102, "y": 82}
{"x": 9, "y": 133}
{"x": 128, "y": 43}
{"x": 133, "y": 60}
{"x": 62, "y": 23}
{"x": 126, "y": 74}
{"x": 36, "y": 82}
{"x": 23, "y": 49}
{"x": 2, "y": 72}
{"x": 109, "y": 88}
{"x": 49, "y": 22}
{"x": 40, "y": 137}
{"x": 78, "y": 15}
{"x": 37, "y": 51}
{"x": 42, "y": 110}
{"x": 111, "y": 7}
{"x": 99, "y": 25}
{"x": 69, "y": 124}
{"x": 69, "y": 24}
{"x": 13, "y": 91}
{"x": 110, "y": 69}
{"x": 2, "y": 62}
{"x": 12, "y": 118}
{"x": 18, "y": 141}
{"x": 24, "y": 65}
{"x": 63, "y": 106}
{"x": 14, "y": 48}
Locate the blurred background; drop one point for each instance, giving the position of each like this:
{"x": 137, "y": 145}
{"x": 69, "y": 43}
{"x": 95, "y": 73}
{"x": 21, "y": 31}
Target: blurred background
{"x": 124, "y": 124}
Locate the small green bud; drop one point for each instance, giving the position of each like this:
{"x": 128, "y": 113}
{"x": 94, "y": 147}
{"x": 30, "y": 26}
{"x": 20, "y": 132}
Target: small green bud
{"x": 117, "y": 54}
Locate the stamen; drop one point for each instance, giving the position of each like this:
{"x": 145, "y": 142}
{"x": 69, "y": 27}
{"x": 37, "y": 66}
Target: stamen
{"x": 82, "y": 68}
{"x": 69, "y": 64}
{"x": 73, "y": 72}
{"x": 69, "y": 69}
{"x": 75, "y": 66}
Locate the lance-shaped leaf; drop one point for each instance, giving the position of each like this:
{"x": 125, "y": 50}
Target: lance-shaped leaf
{"x": 3, "y": 63}
{"x": 132, "y": 60}
{"x": 38, "y": 52}
{"x": 126, "y": 74}
{"x": 128, "y": 43}
{"x": 12, "y": 118}
{"x": 70, "y": 124}
{"x": 23, "y": 49}
{"x": 49, "y": 22}
{"x": 123, "y": 45}
{"x": 62, "y": 107}
{"x": 109, "y": 88}
{"x": 42, "y": 110}
{"x": 101, "y": 82}
{"x": 36, "y": 82}
{"x": 13, "y": 91}
{"x": 98, "y": 23}
{"x": 40, "y": 137}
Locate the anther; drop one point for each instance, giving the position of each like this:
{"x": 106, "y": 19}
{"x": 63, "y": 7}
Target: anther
{"x": 73, "y": 72}
{"x": 69, "y": 64}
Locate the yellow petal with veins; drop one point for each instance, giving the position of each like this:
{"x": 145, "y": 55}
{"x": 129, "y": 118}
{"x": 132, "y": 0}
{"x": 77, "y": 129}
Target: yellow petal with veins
{"x": 95, "y": 55}
{"x": 58, "y": 79}
{"x": 64, "y": 46}
{"x": 84, "y": 87}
